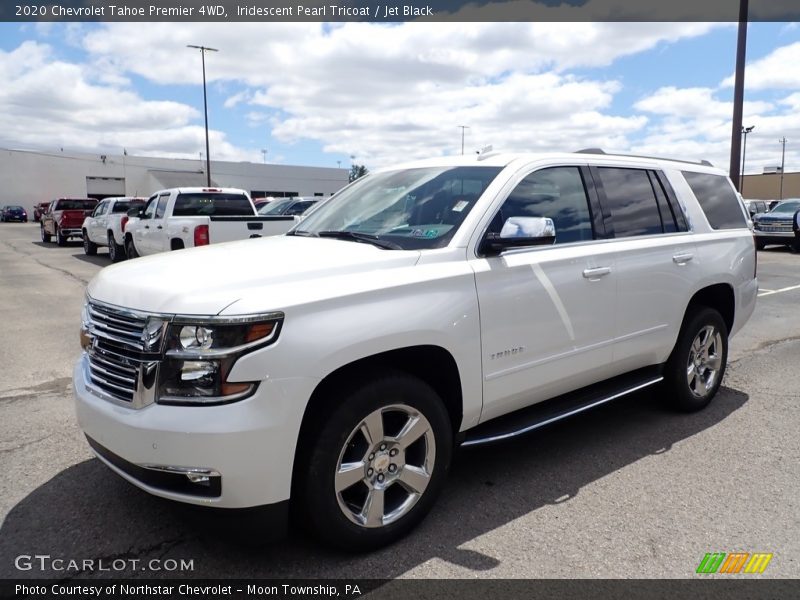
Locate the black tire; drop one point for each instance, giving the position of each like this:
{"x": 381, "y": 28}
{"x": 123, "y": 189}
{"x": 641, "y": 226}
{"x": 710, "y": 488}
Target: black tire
{"x": 688, "y": 382}
{"x": 115, "y": 252}
{"x": 336, "y": 435}
{"x": 60, "y": 239}
{"x": 89, "y": 247}
{"x": 130, "y": 249}
{"x": 45, "y": 235}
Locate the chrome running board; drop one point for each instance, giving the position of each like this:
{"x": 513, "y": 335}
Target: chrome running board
{"x": 545, "y": 413}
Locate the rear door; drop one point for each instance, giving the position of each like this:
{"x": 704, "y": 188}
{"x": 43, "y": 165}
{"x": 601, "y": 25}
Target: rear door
{"x": 655, "y": 262}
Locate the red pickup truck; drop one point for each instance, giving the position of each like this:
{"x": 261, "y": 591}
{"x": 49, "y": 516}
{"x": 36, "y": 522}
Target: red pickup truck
{"x": 64, "y": 217}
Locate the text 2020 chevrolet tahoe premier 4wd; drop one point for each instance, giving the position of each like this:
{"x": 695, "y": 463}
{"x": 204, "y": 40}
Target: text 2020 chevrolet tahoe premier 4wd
{"x": 454, "y": 301}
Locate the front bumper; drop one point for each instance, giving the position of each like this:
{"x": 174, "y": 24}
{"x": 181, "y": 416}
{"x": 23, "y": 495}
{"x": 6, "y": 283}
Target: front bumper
{"x": 249, "y": 444}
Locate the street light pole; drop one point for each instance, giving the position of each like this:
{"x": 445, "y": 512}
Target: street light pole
{"x": 463, "y": 128}
{"x": 783, "y": 162}
{"x": 738, "y": 92}
{"x": 203, "y": 50}
{"x": 745, "y": 131}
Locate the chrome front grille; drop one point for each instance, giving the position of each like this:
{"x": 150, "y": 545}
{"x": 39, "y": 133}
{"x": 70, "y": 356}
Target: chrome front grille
{"x": 124, "y": 354}
{"x": 113, "y": 374}
{"x": 775, "y": 226}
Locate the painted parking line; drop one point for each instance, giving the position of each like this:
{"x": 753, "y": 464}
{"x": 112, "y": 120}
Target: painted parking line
{"x": 780, "y": 291}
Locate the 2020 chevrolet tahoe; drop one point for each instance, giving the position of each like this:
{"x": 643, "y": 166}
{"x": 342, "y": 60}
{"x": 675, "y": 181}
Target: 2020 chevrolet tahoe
{"x": 461, "y": 300}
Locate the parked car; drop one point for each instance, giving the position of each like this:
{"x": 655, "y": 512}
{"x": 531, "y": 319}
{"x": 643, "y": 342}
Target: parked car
{"x": 259, "y": 203}
{"x": 756, "y": 207}
{"x": 458, "y": 301}
{"x": 187, "y": 217}
{"x": 777, "y": 226}
{"x": 288, "y": 206}
{"x": 13, "y": 213}
{"x": 64, "y": 218}
{"x": 39, "y": 210}
{"x": 106, "y": 226}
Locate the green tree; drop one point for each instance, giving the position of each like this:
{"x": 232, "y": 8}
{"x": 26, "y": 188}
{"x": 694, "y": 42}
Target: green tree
{"x": 357, "y": 171}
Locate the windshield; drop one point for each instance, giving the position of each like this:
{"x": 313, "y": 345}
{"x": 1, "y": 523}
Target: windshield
{"x": 276, "y": 207}
{"x": 414, "y": 208}
{"x": 787, "y": 207}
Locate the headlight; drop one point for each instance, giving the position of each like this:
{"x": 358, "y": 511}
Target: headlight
{"x": 201, "y": 354}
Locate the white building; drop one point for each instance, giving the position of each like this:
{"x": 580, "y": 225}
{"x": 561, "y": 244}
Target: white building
{"x": 29, "y": 177}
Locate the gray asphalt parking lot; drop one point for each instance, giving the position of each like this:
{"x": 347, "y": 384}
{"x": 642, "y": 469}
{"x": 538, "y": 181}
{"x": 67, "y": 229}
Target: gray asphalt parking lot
{"x": 628, "y": 490}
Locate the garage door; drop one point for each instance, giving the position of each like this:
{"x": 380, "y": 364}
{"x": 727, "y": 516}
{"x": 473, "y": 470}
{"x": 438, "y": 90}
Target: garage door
{"x": 103, "y": 187}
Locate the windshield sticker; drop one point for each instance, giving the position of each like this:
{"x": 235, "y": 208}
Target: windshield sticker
{"x": 460, "y": 205}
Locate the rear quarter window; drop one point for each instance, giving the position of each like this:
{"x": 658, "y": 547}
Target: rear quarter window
{"x": 717, "y": 199}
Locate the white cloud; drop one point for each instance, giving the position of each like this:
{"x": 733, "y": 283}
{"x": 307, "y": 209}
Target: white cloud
{"x": 385, "y": 93}
{"x": 780, "y": 69}
{"x": 695, "y": 123}
{"x": 48, "y": 103}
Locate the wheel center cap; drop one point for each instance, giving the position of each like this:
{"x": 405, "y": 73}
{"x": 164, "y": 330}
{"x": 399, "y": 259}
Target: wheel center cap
{"x": 381, "y": 462}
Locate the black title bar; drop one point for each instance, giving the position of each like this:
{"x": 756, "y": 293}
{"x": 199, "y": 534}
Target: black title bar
{"x": 378, "y": 11}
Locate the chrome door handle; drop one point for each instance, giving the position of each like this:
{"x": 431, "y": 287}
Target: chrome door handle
{"x": 596, "y": 273}
{"x": 682, "y": 259}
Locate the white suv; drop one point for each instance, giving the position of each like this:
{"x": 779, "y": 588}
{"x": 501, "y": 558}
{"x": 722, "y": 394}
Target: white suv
{"x": 454, "y": 301}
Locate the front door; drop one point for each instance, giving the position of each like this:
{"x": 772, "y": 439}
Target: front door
{"x": 547, "y": 313}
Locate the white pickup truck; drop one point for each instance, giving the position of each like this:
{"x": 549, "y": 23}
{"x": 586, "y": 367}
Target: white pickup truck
{"x": 460, "y": 300}
{"x": 187, "y": 217}
{"x": 106, "y": 226}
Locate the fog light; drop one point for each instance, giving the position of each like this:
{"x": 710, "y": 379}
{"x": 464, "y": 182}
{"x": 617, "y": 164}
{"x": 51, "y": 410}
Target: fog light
{"x": 199, "y": 478}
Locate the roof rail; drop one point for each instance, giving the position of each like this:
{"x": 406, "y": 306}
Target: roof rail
{"x": 705, "y": 163}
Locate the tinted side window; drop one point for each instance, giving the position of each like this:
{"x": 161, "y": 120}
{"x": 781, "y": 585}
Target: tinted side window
{"x": 151, "y": 208}
{"x": 631, "y": 201}
{"x": 717, "y": 199}
{"x": 557, "y": 193}
{"x": 161, "y": 209}
{"x": 667, "y": 215}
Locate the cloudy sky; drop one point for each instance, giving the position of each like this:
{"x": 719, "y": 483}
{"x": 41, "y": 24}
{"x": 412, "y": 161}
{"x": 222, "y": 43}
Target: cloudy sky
{"x": 319, "y": 94}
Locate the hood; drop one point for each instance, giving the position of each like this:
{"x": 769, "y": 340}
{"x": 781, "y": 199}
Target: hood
{"x": 774, "y": 216}
{"x": 271, "y": 272}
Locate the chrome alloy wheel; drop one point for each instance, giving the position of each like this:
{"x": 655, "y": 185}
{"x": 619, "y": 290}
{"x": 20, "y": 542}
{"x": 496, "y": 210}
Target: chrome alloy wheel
{"x": 705, "y": 361}
{"x": 385, "y": 466}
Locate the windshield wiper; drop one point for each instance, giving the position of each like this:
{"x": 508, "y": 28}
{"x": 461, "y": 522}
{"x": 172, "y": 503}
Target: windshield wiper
{"x": 361, "y": 237}
{"x": 301, "y": 233}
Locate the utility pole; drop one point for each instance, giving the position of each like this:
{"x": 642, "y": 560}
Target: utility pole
{"x": 745, "y": 131}
{"x": 463, "y": 128}
{"x": 783, "y": 163}
{"x": 264, "y": 154}
{"x": 738, "y": 93}
{"x": 203, "y": 50}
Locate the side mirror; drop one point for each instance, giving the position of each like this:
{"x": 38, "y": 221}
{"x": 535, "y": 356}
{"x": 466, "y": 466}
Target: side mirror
{"x": 134, "y": 212}
{"x": 519, "y": 232}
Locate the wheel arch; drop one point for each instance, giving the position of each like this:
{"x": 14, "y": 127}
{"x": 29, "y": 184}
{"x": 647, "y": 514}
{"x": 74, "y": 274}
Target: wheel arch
{"x": 432, "y": 364}
{"x": 720, "y": 297}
